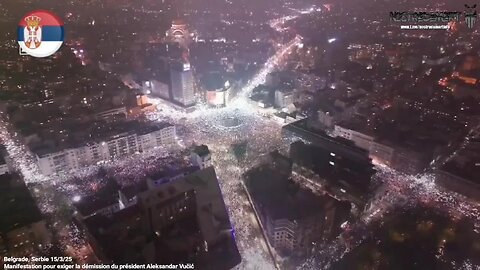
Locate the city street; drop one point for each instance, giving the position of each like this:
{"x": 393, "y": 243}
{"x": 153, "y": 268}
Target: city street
{"x": 219, "y": 129}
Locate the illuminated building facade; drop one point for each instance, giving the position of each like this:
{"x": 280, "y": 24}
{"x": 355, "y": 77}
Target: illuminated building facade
{"x": 183, "y": 91}
{"x": 54, "y": 161}
{"x": 157, "y": 88}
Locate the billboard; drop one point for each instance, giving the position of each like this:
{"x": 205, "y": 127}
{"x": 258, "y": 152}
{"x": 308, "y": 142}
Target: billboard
{"x": 216, "y": 98}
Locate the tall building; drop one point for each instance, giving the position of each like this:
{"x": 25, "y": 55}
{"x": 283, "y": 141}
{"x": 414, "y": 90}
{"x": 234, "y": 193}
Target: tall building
{"x": 182, "y": 84}
{"x": 295, "y": 220}
{"x": 172, "y": 220}
{"x": 23, "y": 231}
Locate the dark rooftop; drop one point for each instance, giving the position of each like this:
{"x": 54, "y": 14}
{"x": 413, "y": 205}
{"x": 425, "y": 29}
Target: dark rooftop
{"x": 2, "y": 159}
{"x": 101, "y": 222}
{"x": 201, "y": 150}
{"x": 17, "y": 207}
{"x": 97, "y": 132}
{"x": 106, "y": 196}
{"x": 338, "y": 169}
{"x": 327, "y": 107}
{"x": 125, "y": 236}
{"x": 213, "y": 81}
{"x": 305, "y": 130}
{"x": 281, "y": 197}
{"x": 466, "y": 164}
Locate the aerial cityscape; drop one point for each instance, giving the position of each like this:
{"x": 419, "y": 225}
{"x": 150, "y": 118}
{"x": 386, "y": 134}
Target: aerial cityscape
{"x": 239, "y": 134}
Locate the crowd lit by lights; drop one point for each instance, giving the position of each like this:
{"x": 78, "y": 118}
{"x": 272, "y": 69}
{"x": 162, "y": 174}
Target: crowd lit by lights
{"x": 20, "y": 155}
{"x": 204, "y": 126}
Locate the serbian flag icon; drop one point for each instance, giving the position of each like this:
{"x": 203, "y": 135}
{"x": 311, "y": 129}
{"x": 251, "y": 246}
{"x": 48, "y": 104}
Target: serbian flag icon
{"x": 40, "y": 33}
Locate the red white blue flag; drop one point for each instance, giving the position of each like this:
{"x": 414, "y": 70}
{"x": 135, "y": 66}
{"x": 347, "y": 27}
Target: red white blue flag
{"x": 40, "y": 33}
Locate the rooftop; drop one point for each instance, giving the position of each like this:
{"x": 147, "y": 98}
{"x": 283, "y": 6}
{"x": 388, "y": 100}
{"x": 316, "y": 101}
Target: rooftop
{"x": 106, "y": 196}
{"x": 304, "y": 129}
{"x": 327, "y": 107}
{"x": 208, "y": 196}
{"x": 165, "y": 175}
{"x": 358, "y": 124}
{"x": 17, "y": 207}
{"x": 178, "y": 22}
{"x": 126, "y": 236}
{"x": 213, "y": 81}
{"x": 201, "y": 150}
{"x": 280, "y": 197}
{"x": 93, "y": 133}
{"x": 466, "y": 164}
{"x": 115, "y": 243}
{"x": 339, "y": 170}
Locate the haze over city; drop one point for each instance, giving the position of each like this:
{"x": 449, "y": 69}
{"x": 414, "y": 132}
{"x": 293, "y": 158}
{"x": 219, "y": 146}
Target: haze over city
{"x": 239, "y": 134}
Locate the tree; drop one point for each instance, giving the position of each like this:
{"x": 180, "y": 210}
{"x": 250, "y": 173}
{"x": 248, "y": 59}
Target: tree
{"x": 240, "y": 150}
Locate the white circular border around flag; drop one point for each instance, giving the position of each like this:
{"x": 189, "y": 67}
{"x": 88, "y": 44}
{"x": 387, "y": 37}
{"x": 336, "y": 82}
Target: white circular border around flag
{"x": 40, "y": 33}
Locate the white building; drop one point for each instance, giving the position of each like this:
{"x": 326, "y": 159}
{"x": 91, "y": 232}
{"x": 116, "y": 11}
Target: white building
{"x": 378, "y": 151}
{"x": 201, "y": 157}
{"x": 284, "y": 234}
{"x": 360, "y": 139}
{"x": 113, "y": 147}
